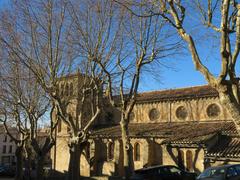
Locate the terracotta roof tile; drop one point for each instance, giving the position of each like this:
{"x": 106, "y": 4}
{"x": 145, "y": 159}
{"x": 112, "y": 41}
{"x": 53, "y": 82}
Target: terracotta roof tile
{"x": 177, "y": 94}
{"x": 174, "y": 131}
{"x": 227, "y": 147}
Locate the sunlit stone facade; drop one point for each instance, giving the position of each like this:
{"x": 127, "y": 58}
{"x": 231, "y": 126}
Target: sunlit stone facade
{"x": 186, "y": 127}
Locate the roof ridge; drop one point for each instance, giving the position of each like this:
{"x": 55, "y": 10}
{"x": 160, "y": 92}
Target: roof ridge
{"x": 173, "y": 89}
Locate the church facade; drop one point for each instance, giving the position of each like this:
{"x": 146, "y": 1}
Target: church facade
{"x": 187, "y": 127}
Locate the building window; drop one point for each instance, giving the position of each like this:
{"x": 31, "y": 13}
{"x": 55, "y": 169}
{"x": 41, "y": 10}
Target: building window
{"x": 181, "y": 113}
{"x": 153, "y": 114}
{"x": 4, "y": 149}
{"x": 5, "y": 138}
{"x": 213, "y": 110}
{"x": 10, "y": 149}
{"x": 59, "y": 126}
{"x": 110, "y": 150}
{"x": 136, "y": 152}
{"x": 189, "y": 158}
{"x": 181, "y": 159}
{"x": 6, "y": 160}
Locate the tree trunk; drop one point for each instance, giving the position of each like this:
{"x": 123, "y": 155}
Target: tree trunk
{"x": 75, "y": 151}
{"x": 28, "y": 168}
{"x": 39, "y": 168}
{"x": 19, "y": 165}
{"x": 232, "y": 107}
{"x": 127, "y": 149}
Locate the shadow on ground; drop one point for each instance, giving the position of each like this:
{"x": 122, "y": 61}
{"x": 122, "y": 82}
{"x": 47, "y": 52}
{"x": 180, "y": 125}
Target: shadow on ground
{"x": 56, "y": 175}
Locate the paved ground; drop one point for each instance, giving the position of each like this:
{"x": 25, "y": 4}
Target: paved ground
{"x": 6, "y": 178}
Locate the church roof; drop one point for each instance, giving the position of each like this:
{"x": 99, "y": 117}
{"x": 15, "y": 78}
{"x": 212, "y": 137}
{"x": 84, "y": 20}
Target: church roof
{"x": 226, "y": 147}
{"x": 184, "y": 134}
{"x": 171, "y": 132}
{"x": 178, "y": 94}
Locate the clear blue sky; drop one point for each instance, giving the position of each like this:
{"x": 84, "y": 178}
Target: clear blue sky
{"x": 183, "y": 73}
{"x": 3, "y": 3}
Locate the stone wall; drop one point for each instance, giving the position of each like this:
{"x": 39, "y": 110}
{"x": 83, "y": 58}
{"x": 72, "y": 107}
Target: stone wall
{"x": 171, "y": 157}
{"x": 196, "y": 111}
{"x": 152, "y": 151}
{"x": 62, "y": 154}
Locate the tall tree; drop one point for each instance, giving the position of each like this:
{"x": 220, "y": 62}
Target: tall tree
{"x": 14, "y": 128}
{"x": 12, "y": 117}
{"x": 22, "y": 81}
{"x": 24, "y": 106}
{"x": 40, "y": 35}
{"x": 219, "y": 16}
{"x": 122, "y": 45}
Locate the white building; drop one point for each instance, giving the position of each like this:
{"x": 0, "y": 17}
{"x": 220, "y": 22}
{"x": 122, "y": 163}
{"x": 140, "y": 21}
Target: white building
{"x": 7, "y": 147}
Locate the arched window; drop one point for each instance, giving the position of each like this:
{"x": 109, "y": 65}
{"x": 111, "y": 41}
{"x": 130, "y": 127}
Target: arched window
{"x": 181, "y": 159}
{"x": 110, "y": 150}
{"x": 71, "y": 89}
{"x": 136, "y": 152}
{"x": 189, "y": 158}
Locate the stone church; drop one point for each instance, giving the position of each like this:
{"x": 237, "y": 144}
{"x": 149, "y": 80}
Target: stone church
{"x": 187, "y": 127}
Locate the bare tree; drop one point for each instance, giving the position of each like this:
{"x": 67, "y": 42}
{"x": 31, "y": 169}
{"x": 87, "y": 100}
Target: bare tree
{"x": 17, "y": 133}
{"x": 228, "y": 32}
{"x": 147, "y": 44}
{"x": 24, "y": 106}
{"x": 21, "y": 89}
{"x": 41, "y": 38}
{"x": 122, "y": 45}
{"x": 51, "y": 38}
{"x": 13, "y": 116}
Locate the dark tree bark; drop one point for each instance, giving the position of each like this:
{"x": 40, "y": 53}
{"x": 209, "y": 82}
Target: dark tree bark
{"x": 227, "y": 81}
{"x": 127, "y": 149}
{"x": 19, "y": 163}
{"x": 41, "y": 153}
{"x": 39, "y": 167}
{"x": 75, "y": 151}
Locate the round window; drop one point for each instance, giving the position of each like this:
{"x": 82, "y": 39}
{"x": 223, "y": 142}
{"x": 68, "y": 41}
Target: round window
{"x": 153, "y": 114}
{"x": 181, "y": 113}
{"x": 213, "y": 110}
